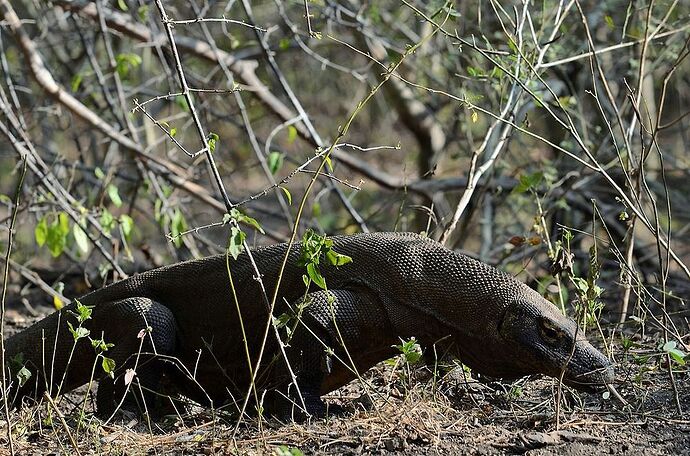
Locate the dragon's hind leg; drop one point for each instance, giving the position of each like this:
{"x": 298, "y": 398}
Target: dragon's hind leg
{"x": 143, "y": 334}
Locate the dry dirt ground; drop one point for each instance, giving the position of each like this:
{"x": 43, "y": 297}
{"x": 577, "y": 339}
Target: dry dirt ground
{"x": 402, "y": 410}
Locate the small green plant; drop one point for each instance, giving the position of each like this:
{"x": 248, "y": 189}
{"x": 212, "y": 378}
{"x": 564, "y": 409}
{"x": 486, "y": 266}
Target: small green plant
{"x": 514, "y": 393}
{"x": 291, "y": 317}
{"x": 410, "y": 350}
{"x": 83, "y": 313}
{"x": 284, "y": 450}
{"x": 645, "y": 368}
{"x": 411, "y": 353}
{"x": 18, "y": 367}
{"x": 677, "y": 355}
{"x": 314, "y": 247}
{"x": 588, "y": 303}
{"x": 627, "y": 343}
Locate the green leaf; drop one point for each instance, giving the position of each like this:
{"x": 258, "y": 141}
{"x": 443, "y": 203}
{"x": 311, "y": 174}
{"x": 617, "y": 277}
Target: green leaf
{"x": 242, "y": 218}
{"x": 53, "y": 235}
{"x": 142, "y": 12}
{"x": 337, "y": 259}
{"x": 284, "y": 44}
{"x": 292, "y": 134}
{"x": 122, "y": 4}
{"x": 107, "y": 221}
{"x": 79, "y": 332}
{"x": 212, "y": 141}
{"x": 678, "y": 355}
{"x": 609, "y": 21}
{"x": 312, "y": 248}
{"x": 173, "y": 132}
{"x": 529, "y": 182}
{"x": 236, "y": 242}
{"x": 127, "y": 225}
{"x": 100, "y": 345}
{"x": 178, "y": 225}
{"x": 23, "y": 376}
{"x": 76, "y": 81}
{"x": 281, "y": 320}
{"x": 410, "y": 349}
{"x": 16, "y": 364}
{"x": 83, "y": 312}
{"x": 108, "y": 365}
{"x": 315, "y": 275}
{"x": 114, "y": 195}
{"x": 99, "y": 173}
{"x": 124, "y": 62}
{"x": 81, "y": 238}
{"x": 41, "y": 232}
{"x": 181, "y": 101}
{"x": 63, "y": 224}
{"x": 287, "y": 194}
{"x": 275, "y": 162}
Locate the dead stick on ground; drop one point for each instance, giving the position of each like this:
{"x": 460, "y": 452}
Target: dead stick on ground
{"x": 62, "y": 420}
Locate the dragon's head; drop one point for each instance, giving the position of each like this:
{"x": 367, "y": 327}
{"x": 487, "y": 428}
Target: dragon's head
{"x": 537, "y": 339}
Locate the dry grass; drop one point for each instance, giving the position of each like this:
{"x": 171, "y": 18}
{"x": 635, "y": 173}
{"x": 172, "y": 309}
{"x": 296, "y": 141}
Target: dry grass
{"x": 452, "y": 416}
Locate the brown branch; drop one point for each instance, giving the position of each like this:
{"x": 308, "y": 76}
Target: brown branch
{"x": 245, "y": 71}
{"x": 175, "y": 174}
{"x": 414, "y": 114}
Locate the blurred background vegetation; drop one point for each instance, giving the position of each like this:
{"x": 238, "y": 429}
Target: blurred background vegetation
{"x": 492, "y": 126}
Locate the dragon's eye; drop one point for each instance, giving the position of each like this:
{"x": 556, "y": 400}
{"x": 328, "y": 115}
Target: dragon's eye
{"x": 549, "y": 332}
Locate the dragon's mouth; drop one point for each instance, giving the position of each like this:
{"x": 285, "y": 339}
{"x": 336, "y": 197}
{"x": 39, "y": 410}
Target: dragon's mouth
{"x": 592, "y": 381}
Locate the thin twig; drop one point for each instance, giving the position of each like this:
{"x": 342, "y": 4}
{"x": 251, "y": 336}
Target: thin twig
{"x": 6, "y": 279}
{"x": 213, "y": 19}
{"x": 313, "y": 134}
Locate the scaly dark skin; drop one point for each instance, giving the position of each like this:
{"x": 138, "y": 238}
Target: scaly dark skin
{"x": 397, "y": 286}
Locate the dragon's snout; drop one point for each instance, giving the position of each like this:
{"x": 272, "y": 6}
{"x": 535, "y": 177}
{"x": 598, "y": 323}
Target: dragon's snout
{"x": 588, "y": 369}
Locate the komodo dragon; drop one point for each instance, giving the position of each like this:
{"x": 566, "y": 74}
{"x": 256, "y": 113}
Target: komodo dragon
{"x": 397, "y": 286}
